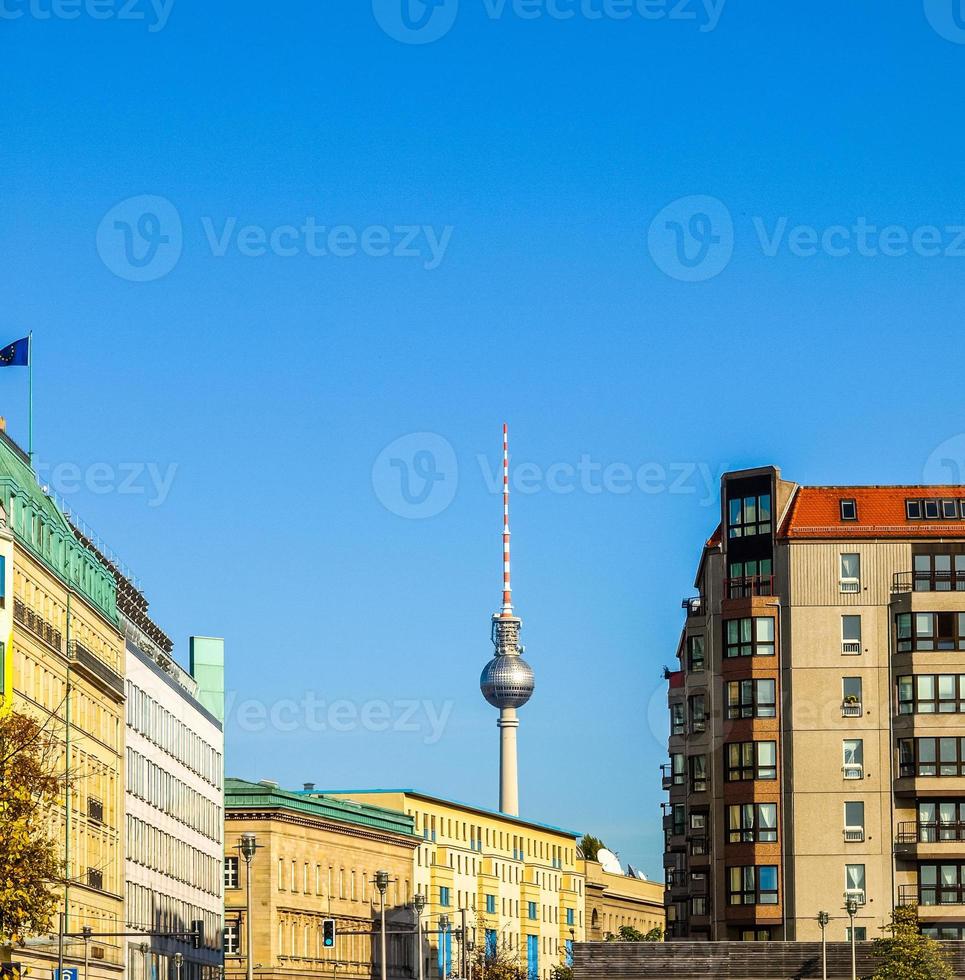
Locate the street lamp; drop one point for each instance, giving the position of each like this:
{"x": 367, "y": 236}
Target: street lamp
{"x": 823, "y": 920}
{"x": 419, "y": 904}
{"x": 144, "y": 949}
{"x": 851, "y": 907}
{"x": 86, "y": 930}
{"x": 382, "y": 884}
{"x": 248, "y": 846}
{"x": 443, "y": 929}
{"x": 178, "y": 962}
{"x": 470, "y": 949}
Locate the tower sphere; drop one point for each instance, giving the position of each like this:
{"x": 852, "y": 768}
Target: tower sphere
{"x": 507, "y": 681}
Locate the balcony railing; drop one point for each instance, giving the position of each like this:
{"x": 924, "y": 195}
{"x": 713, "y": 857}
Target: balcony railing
{"x": 851, "y": 646}
{"x": 748, "y": 585}
{"x": 851, "y": 709}
{"x": 907, "y": 894}
{"x": 853, "y": 771}
{"x": 858, "y": 894}
{"x": 930, "y": 581}
{"x": 669, "y": 778}
{"x": 854, "y": 835}
{"x": 699, "y": 846}
{"x": 37, "y": 625}
{"x": 850, "y": 585}
{"x": 919, "y": 832}
{"x": 695, "y": 605}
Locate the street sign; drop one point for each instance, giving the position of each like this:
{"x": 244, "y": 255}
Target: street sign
{"x": 66, "y": 974}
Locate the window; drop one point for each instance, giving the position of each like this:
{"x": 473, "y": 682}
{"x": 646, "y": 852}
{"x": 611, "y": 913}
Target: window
{"x": 749, "y": 516}
{"x": 849, "y": 510}
{"x": 678, "y": 723}
{"x": 679, "y": 818}
{"x": 698, "y": 773}
{"x": 948, "y": 509}
{"x": 95, "y": 809}
{"x": 941, "y": 884}
{"x": 695, "y": 654}
{"x": 698, "y": 718}
{"x": 698, "y": 905}
{"x": 755, "y": 935}
{"x": 928, "y": 694}
{"x": 850, "y": 572}
{"x": 752, "y": 885}
{"x": 749, "y": 578}
{"x": 750, "y": 637}
{"x": 698, "y": 821}
{"x": 853, "y": 750}
{"x": 444, "y": 896}
{"x": 854, "y": 882}
{"x": 860, "y": 934}
{"x": 95, "y": 878}
{"x": 677, "y": 768}
{"x": 491, "y": 904}
{"x": 752, "y": 698}
{"x": 570, "y": 917}
{"x": 913, "y": 510}
{"x": 230, "y": 939}
{"x": 931, "y": 756}
{"x": 851, "y": 634}
{"x": 231, "y": 872}
{"x": 938, "y": 572}
{"x": 750, "y": 822}
{"x": 751, "y": 760}
{"x": 851, "y": 694}
{"x": 854, "y": 821}
{"x": 930, "y": 631}
{"x": 531, "y": 909}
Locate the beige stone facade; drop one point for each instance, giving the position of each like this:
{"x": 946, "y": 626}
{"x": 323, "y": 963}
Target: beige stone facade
{"x": 816, "y": 718}
{"x": 617, "y": 900}
{"x": 316, "y": 859}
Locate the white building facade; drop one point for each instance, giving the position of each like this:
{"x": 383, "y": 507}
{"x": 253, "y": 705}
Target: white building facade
{"x": 174, "y": 813}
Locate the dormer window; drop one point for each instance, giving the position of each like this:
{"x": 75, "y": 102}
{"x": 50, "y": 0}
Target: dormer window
{"x": 849, "y": 510}
{"x": 931, "y": 510}
{"x": 913, "y": 510}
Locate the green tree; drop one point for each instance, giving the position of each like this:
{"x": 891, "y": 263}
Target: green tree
{"x": 906, "y": 954}
{"x": 561, "y": 972}
{"x": 29, "y": 862}
{"x": 499, "y": 963}
{"x": 627, "y": 934}
{"x": 590, "y": 846}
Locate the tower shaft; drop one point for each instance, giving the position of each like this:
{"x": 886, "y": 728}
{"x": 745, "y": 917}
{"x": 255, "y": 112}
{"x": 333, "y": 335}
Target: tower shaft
{"x": 508, "y": 763}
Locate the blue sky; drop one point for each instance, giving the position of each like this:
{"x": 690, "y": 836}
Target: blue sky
{"x": 583, "y": 225}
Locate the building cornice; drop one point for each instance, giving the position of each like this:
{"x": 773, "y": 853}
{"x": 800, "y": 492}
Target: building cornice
{"x": 281, "y": 815}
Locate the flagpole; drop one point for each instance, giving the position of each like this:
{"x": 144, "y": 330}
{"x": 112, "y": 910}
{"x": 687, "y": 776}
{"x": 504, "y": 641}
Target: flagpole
{"x": 30, "y": 396}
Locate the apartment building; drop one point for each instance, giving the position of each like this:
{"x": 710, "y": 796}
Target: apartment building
{"x": 615, "y": 900}
{"x": 315, "y": 859}
{"x": 816, "y": 749}
{"x": 518, "y": 885}
{"x": 63, "y": 656}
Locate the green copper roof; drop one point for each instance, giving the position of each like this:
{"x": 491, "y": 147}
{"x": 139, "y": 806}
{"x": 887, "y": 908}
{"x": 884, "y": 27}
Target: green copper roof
{"x": 238, "y": 793}
{"x": 42, "y": 529}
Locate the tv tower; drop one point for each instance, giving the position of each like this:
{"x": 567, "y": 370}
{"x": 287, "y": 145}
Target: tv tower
{"x": 507, "y": 680}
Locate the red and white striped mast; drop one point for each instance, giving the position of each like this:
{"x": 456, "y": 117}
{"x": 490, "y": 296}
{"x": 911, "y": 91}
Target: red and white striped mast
{"x": 507, "y": 609}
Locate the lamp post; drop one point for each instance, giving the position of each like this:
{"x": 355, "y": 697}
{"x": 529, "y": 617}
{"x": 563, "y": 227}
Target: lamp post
{"x": 851, "y": 907}
{"x": 823, "y": 920}
{"x": 144, "y": 949}
{"x": 86, "y": 930}
{"x": 419, "y": 904}
{"x": 178, "y": 962}
{"x": 470, "y": 949}
{"x": 382, "y": 884}
{"x": 443, "y": 929}
{"x": 248, "y": 846}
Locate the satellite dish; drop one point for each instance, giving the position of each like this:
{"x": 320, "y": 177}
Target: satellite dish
{"x": 611, "y": 863}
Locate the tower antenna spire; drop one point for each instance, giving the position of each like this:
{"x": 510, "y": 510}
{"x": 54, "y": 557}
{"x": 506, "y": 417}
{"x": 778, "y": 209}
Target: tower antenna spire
{"x": 507, "y": 609}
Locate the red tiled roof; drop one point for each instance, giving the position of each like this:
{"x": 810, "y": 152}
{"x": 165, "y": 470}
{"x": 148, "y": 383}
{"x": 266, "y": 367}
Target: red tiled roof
{"x": 815, "y": 512}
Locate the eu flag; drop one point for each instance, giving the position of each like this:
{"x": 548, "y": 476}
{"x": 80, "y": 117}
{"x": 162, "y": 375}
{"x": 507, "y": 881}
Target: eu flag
{"x": 16, "y": 354}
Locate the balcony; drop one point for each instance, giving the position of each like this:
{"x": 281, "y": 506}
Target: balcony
{"x": 851, "y": 709}
{"x": 696, "y": 606}
{"x": 37, "y": 625}
{"x": 850, "y": 586}
{"x": 853, "y": 771}
{"x": 851, "y": 646}
{"x": 931, "y": 581}
{"x": 931, "y": 896}
{"x": 669, "y": 778}
{"x": 918, "y": 832}
{"x": 857, "y": 894}
{"x": 748, "y": 586}
{"x": 853, "y": 835}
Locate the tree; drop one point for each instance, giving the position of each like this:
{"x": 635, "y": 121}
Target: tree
{"x": 906, "y": 954}
{"x": 591, "y": 846}
{"x": 561, "y": 972}
{"x": 499, "y": 963}
{"x": 29, "y": 862}
{"x": 627, "y": 934}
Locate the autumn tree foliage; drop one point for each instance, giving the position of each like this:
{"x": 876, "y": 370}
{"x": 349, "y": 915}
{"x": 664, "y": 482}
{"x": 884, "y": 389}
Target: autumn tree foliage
{"x": 29, "y": 863}
{"x": 905, "y": 954}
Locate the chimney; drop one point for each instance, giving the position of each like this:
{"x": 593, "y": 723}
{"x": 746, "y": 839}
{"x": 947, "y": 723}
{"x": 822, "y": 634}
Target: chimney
{"x": 269, "y": 783}
{"x": 309, "y": 787}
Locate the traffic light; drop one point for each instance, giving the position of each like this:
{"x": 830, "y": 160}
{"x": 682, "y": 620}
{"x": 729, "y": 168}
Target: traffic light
{"x": 328, "y": 933}
{"x": 197, "y": 933}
